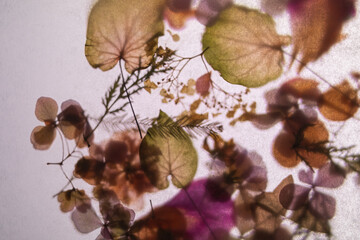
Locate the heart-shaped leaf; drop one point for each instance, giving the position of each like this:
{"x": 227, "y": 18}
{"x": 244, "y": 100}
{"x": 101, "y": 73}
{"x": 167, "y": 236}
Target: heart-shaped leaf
{"x": 123, "y": 29}
{"x": 164, "y": 154}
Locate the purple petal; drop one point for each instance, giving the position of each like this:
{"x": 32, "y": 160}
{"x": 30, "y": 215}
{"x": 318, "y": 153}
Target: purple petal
{"x": 68, "y": 103}
{"x": 257, "y": 179}
{"x": 322, "y": 205}
{"x": 100, "y": 237}
{"x": 179, "y": 5}
{"x": 274, "y": 7}
{"x": 279, "y": 102}
{"x": 266, "y": 121}
{"x": 329, "y": 176}
{"x": 306, "y": 176}
{"x": 86, "y": 221}
{"x": 105, "y": 233}
{"x": 219, "y": 215}
{"x": 208, "y": 10}
{"x": 293, "y": 196}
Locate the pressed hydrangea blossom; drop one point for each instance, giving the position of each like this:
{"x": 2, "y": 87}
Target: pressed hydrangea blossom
{"x": 115, "y": 165}
{"x": 321, "y": 205}
{"x": 71, "y": 121}
{"x": 45, "y": 111}
{"x": 117, "y": 219}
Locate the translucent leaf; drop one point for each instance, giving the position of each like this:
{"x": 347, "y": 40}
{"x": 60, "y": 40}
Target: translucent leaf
{"x": 42, "y": 137}
{"x": 244, "y": 47}
{"x": 86, "y": 221}
{"x": 322, "y": 205}
{"x": 339, "y": 104}
{"x": 164, "y": 155}
{"x": 294, "y": 196}
{"x": 123, "y": 29}
{"x": 329, "y": 176}
{"x": 46, "y": 109}
{"x": 316, "y": 26}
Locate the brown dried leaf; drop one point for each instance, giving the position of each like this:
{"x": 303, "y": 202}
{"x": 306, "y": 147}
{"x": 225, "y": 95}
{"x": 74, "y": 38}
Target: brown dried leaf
{"x": 339, "y": 104}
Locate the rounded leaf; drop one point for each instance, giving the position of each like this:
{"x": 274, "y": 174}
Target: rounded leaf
{"x": 244, "y": 47}
{"x": 164, "y": 154}
{"x": 123, "y": 29}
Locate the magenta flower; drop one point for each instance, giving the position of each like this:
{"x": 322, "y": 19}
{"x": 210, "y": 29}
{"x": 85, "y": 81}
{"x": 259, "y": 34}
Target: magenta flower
{"x": 206, "y": 216}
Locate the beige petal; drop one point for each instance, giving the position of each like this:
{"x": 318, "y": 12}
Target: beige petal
{"x": 42, "y": 137}
{"x": 46, "y": 109}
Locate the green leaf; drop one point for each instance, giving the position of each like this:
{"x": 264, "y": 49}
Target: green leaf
{"x": 244, "y": 47}
{"x": 123, "y": 29}
{"x": 164, "y": 155}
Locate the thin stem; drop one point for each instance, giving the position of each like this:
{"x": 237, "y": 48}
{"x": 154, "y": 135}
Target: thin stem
{"x": 128, "y": 96}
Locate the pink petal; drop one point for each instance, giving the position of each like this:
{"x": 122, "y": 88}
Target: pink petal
{"x": 179, "y": 5}
{"x": 42, "y": 137}
{"x": 278, "y": 102}
{"x": 87, "y": 221}
{"x": 293, "y": 196}
{"x": 274, "y": 7}
{"x": 329, "y": 176}
{"x": 68, "y": 103}
{"x": 306, "y": 176}
{"x": 322, "y": 205}
{"x": 46, "y": 109}
{"x": 203, "y": 84}
{"x": 208, "y": 10}
{"x": 266, "y": 121}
